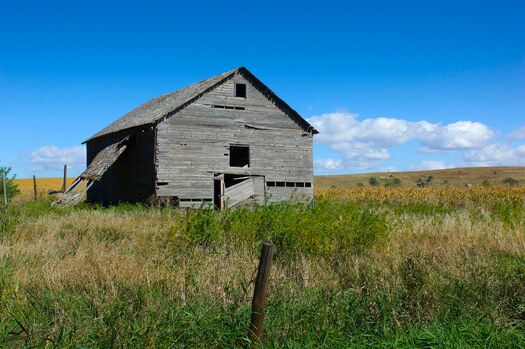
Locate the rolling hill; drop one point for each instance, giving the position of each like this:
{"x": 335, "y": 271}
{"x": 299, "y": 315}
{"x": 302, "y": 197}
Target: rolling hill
{"x": 448, "y": 177}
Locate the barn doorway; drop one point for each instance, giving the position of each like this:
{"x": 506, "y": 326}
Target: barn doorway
{"x": 218, "y": 191}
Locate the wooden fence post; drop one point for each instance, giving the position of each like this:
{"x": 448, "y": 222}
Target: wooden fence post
{"x": 4, "y": 180}
{"x": 260, "y": 292}
{"x": 34, "y": 186}
{"x": 65, "y": 178}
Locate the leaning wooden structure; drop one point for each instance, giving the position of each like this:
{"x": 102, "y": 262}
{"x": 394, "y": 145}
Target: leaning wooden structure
{"x": 228, "y": 140}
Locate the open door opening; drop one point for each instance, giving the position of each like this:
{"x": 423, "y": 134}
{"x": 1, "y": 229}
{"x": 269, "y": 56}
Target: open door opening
{"x": 218, "y": 193}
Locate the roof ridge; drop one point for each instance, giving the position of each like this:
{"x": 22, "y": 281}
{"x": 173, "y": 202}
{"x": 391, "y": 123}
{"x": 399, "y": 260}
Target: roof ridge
{"x": 165, "y": 105}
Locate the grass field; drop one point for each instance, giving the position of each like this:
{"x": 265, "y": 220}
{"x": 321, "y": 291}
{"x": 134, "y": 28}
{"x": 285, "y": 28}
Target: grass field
{"x": 365, "y": 267}
{"x": 458, "y": 177}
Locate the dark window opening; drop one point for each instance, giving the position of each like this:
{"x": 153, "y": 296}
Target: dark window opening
{"x": 162, "y": 183}
{"x": 289, "y": 184}
{"x": 231, "y": 107}
{"x": 240, "y": 90}
{"x": 195, "y": 200}
{"x": 239, "y": 156}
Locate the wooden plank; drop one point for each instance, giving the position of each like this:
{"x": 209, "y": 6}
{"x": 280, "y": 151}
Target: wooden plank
{"x": 239, "y": 192}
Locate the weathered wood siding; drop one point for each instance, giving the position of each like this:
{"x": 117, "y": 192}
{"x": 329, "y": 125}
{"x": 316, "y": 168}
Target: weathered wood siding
{"x": 276, "y": 194}
{"x": 132, "y": 177}
{"x": 194, "y": 143}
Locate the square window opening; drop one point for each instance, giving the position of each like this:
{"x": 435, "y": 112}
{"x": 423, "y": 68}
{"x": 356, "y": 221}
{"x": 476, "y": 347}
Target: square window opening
{"x": 239, "y": 156}
{"x": 240, "y": 90}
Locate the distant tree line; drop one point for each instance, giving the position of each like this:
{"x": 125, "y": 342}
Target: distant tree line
{"x": 421, "y": 182}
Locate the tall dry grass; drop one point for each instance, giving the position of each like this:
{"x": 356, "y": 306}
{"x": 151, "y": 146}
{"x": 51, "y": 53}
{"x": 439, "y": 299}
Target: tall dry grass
{"x": 366, "y": 267}
{"x": 96, "y": 249}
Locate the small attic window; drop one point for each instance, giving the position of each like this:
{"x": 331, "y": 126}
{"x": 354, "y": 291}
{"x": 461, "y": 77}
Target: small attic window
{"x": 239, "y": 156}
{"x": 240, "y": 90}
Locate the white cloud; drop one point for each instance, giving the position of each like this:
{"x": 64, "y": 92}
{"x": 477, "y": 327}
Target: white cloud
{"x": 460, "y": 135}
{"x": 361, "y": 155}
{"x": 54, "y": 158}
{"x": 499, "y": 154}
{"x": 429, "y": 165}
{"x": 343, "y": 127}
{"x": 387, "y": 132}
{"x": 364, "y": 144}
{"x": 329, "y": 164}
{"x": 517, "y": 134}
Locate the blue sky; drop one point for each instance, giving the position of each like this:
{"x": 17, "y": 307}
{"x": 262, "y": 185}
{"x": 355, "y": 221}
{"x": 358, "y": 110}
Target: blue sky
{"x": 390, "y": 84}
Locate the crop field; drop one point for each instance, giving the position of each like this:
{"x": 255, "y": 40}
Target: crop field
{"x": 363, "y": 267}
{"x": 44, "y": 185}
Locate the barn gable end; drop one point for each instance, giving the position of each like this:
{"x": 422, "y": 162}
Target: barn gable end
{"x": 194, "y": 145}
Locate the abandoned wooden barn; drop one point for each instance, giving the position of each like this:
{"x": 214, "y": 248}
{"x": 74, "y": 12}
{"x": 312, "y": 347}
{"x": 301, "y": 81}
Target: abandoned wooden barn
{"x": 227, "y": 140}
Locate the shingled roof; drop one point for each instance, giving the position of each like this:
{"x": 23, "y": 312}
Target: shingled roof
{"x": 166, "y": 105}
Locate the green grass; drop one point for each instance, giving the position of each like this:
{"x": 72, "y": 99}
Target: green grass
{"x": 346, "y": 275}
{"x": 316, "y": 318}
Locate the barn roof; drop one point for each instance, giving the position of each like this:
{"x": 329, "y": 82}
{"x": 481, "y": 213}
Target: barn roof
{"x": 166, "y": 105}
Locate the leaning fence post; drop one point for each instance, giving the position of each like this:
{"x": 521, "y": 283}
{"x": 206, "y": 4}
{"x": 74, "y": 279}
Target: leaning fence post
{"x": 5, "y": 189}
{"x": 260, "y": 292}
{"x": 34, "y": 186}
{"x": 65, "y": 178}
